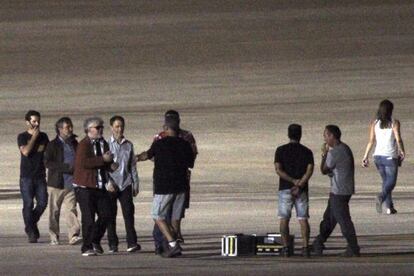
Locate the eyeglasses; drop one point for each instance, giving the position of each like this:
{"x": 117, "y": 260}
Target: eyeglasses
{"x": 97, "y": 127}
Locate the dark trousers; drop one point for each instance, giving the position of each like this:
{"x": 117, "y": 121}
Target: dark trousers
{"x": 93, "y": 202}
{"x": 337, "y": 211}
{"x": 30, "y": 189}
{"x": 128, "y": 210}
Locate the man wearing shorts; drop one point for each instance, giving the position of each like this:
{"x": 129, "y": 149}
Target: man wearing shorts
{"x": 294, "y": 165}
{"x": 186, "y": 135}
{"x": 173, "y": 157}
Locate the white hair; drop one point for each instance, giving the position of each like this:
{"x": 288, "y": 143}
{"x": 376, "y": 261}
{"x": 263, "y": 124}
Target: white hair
{"x": 92, "y": 121}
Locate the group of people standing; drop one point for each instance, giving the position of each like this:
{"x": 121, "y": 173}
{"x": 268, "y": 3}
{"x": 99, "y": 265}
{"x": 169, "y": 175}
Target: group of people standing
{"x": 294, "y": 164}
{"x": 97, "y": 173}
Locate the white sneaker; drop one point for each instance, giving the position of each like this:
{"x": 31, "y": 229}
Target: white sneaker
{"x": 75, "y": 240}
{"x": 54, "y": 242}
{"x": 391, "y": 211}
{"x": 89, "y": 253}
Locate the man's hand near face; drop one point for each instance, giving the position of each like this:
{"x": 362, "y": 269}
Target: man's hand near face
{"x": 35, "y": 132}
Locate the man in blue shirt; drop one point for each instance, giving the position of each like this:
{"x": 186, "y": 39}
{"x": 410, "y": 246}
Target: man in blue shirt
{"x": 124, "y": 185}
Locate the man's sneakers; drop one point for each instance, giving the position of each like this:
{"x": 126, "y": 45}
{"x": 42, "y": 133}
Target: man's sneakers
{"x": 113, "y": 249}
{"x": 97, "y": 248}
{"x": 134, "y": 248}
{"x": 172, "y": 251}
{"x": 378, "y": 204}
{"x": 75, "y": 240}
{"x": 180, "y": 239}
{"x": 391, "y": 211}
{"x": 88, "y": 253}
{"x": 54, "y": 242}
{"x": 32, "y": 238}
{"x": 317, "y": 248}
{"x": 36, "y": 231}
{"x": 349, "y": 253}
{"x": 158, "y": 250}
{"x": 32, "y": 233}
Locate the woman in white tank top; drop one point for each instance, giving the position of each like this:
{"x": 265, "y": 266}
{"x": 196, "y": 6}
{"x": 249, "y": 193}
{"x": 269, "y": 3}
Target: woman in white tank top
{"x": 389, "y": 152}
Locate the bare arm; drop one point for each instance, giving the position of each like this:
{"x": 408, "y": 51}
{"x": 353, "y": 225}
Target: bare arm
{"x": 371, "y": 141}
{"x": 26, "y": 149}
{"x": 324, "y": 169}
{"x": 280, "y": 172}
{"x": 143, "y": 156}
{"x": 305, "y": 178}
{"x": 397, "y": 133}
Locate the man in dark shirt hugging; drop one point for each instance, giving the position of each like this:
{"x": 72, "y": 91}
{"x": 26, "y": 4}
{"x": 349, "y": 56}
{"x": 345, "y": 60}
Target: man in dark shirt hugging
{"x": 172, "y": 158}
{"x": 294, "y": 165}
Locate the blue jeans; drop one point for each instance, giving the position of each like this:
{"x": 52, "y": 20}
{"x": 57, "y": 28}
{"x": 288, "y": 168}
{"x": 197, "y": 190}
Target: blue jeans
{"x": 33, "y": 188}
{"x": 287, "y": 201}
{"x": 388, "y": 169}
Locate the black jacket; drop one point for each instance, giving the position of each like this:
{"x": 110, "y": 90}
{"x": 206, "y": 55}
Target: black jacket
{"x": 53, "y": 159}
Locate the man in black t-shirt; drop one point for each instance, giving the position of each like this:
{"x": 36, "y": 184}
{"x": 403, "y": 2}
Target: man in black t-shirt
{"x": 32, "y": 144}
{"x": 294, "y": 165}
{"x": 172, "y": 158}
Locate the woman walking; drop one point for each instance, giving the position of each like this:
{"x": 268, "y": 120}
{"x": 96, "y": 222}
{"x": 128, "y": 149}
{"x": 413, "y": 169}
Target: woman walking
{"x": 388, "y": 155}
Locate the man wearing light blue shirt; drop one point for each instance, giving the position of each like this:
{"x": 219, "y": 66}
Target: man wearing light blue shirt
{"x": 124, "y": 185}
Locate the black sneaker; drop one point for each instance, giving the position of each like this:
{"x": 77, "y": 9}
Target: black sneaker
{"x": 284, "y": 252}
{"x": 378, "y": 204}
{"x": 158, "y": 250}
{"x": 32, "y": 237}
{"x": 171, "y": 252}
{"x": 36, "y": 231}
{"x": 317, "y": 248}
{"x": 97, "y": 248}
{"x": 180, "y": 239}
{"x": 112, "y": 249}
{"x": 349, "y": 253}
{"x": 391, "y": 211}
{"x": 134, "y": 248}
{"x": 305, "y": 252}
{"x": 88, "y": 253}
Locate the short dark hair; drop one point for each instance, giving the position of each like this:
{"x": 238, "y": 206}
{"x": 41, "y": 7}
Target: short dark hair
{"x": 172, "y": 123}
{"x": 172, "y": 113}
{"x": 334, "y": 130}
{"x": 117, "y": 118}
{"x": 61, "y": 121}
{"x": 31, "y": 113}
{"x": 295, "y": 132}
